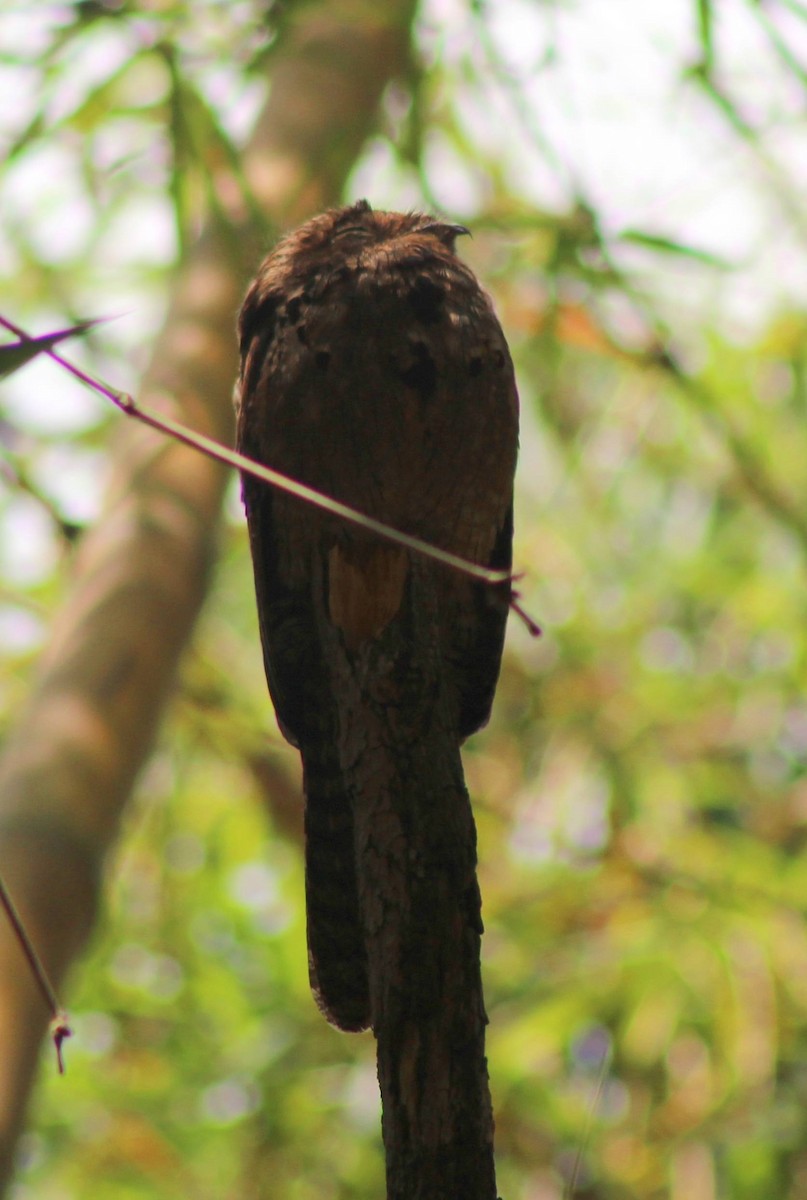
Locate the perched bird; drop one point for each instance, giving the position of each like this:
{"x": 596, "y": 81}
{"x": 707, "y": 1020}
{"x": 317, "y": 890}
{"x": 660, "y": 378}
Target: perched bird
{"x": 373, "y": 369}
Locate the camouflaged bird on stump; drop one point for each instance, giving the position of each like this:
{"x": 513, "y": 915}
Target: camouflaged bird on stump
{"x": 373, "y": 369}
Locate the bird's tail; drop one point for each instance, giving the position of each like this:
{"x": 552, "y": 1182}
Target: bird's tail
{"x": 337, "y": 955}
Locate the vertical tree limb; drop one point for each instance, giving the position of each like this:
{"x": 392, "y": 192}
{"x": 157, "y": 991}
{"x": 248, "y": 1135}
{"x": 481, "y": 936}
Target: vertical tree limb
{"x": 420, "y": 903}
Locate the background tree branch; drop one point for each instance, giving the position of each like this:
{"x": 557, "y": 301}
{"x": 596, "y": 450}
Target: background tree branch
{"x": 141, "y": 574}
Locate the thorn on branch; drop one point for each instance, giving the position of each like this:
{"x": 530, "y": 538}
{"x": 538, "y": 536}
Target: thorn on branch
{"x": 126, "y": 403}
{"x": 514, "y": 598}
{"x": 59, "y": 1031}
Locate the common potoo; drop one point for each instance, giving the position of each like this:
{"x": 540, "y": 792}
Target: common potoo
{"x": 373, "y": 369}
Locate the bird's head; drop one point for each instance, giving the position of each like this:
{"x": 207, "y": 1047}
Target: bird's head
{"x": 358, "y": 225}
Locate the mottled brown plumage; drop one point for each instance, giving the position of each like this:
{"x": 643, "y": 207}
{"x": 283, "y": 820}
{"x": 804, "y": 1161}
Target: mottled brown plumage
{"x": 373, "y": 369}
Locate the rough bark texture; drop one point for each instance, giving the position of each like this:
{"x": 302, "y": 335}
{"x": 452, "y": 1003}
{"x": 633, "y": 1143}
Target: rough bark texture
{"x": 141, "y": 574}
{"x": 420, "y": 905}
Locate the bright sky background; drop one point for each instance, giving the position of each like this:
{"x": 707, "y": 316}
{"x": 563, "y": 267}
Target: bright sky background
{"x": 647, "y": 148}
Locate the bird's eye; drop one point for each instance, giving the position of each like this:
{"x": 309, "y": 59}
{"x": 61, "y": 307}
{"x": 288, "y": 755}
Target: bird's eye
{"x": 360, "y": 229}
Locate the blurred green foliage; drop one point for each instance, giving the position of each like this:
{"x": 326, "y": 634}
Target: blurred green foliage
{"x": 641, "y": 793}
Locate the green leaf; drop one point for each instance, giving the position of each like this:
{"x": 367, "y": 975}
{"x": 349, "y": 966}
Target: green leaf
{"x": 16, "y": 354}
{"x": 654, "y": 241}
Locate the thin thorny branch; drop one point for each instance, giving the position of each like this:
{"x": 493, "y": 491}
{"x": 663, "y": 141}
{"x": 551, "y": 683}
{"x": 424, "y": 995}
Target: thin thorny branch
{"x": 223, "y": 454}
